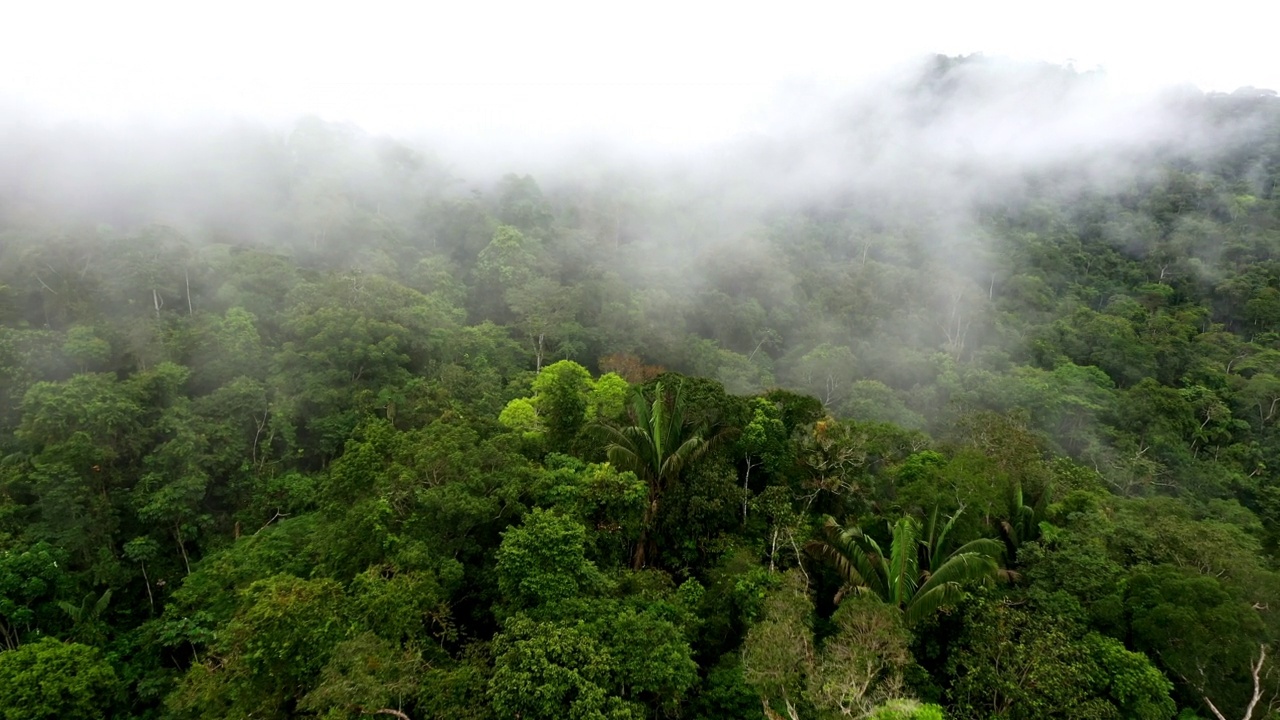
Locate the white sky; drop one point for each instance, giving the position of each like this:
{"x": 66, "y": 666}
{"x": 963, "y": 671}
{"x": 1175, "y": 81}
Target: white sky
{"x": 668, "y": 72}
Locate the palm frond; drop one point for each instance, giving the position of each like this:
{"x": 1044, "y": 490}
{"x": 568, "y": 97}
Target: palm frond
{"x": 930, "y": 599}
{"x": 845, "y": 565}
{"x": 1015, "y": 497}
{"x": 931, "y": 528}
{"x": 1026, "y": 523}
{"x": 100, "y": 606}
{"x": 854, "y": 590}
{"x": 624, "y": 458}
{"x": 938, "y": 552}
{"x": 962, "y": 568}
{"x": 73, "y": 611}
{"x": 877, "y": 564}
{"x": 982, "y": 546}
{"x": 657, "y": 423}
{"x": 855, "y": 557}
{"x": 689, "y": 451}
{"x": 904, "y": 565}
{"x": 610, "y": 435}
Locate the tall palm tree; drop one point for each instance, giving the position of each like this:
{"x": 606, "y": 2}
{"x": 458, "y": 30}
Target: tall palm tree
{"x": 657, "y": 446}
{"x": 917, "y": 574}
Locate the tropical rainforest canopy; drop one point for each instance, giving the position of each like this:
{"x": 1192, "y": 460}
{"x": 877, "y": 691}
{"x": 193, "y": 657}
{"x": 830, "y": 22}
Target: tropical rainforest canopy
{"x": 961, "y": 400}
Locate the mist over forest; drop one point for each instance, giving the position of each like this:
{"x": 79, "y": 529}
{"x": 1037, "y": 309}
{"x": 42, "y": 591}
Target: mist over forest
{"x": 954, "y": 393}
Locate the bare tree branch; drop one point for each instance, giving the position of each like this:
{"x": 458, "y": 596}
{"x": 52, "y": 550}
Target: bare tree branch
{"x": 1257, "y": 682}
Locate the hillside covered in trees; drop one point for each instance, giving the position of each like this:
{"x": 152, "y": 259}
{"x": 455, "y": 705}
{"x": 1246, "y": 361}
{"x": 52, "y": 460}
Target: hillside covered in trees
{"x": 960, "y": 398}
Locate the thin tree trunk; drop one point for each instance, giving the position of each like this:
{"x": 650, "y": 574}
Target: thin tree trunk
{"x": 177, "y": 533}
{"x": 10, "y": 638}
{"x": 147, "y": 580}
{"x": 257, "y": 433}
{"x": 638, "y": 558}
{"x": 799, "y": 558}
{"x": 186, "y": 275}
{"x": 641, "y": 556}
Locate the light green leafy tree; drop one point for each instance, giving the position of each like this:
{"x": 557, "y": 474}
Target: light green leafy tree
{"x": 763, "y": 442}
{"x": 545, "y": 671}
{"x": 608, "y": 396}
{"x": 561, "y": 395}
{"x": 591, "y": 658}
{"x": 544, "y": 561}
{"x": 52, "y": 680}
{"x": 906, "y": 710}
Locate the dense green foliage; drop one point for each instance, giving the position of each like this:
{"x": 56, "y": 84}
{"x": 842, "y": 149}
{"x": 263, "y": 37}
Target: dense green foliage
{"x": 363, "y": 443}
